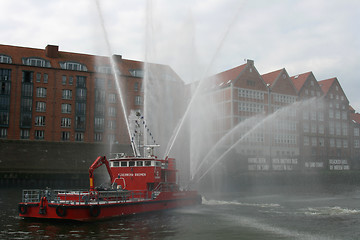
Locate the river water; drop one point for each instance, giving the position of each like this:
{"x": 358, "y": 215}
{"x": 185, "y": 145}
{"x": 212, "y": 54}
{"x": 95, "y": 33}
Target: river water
{"x": 279, "y": 213}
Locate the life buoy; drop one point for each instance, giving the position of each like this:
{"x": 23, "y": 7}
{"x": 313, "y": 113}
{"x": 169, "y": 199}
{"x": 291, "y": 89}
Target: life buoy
{"x": 94, "y": 210}
{"x": 22, "y": 208}
{"x": 61, "y": 211}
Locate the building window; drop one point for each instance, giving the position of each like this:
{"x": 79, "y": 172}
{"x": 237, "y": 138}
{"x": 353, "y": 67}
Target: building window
{"x": 4, "y": 118}
{"x": 99, "y": 123}
{"x": 356, "y": 132}
{"x": 24, "y": 133}
{"x": 67, "y": 94}
{"x": 332, "y": 142}
{"x": 65, "y": 136}
{"x": 321, "y": 129}
{"x": 38, "y": 77}
{"x": 80, "y": 108}
{"x": 306, "y": 127}
{"x": 338, "y": 129}
{"x": 46, "y": 78}
{"x": 80, "y": 123}
{"x": 321, "y": 116}
{"x": 63, "y": 81}
{"x": 40, "y": 121}
{"x": 112, "y": 98}
{"x": 313, "y": 141}
{"x": 356, "y": 143}
{"x": 81, "y": 81}
{"x": 111, "y": 138}
{"x": 39, "y": 134}
{"x": 250, "y": 83}
{"x": 41, "y": 106}
{"x": 345, "y": 143}
{"x": 65, "y": 108}
{"x": 321, "y": 142}
{"x": 344, "y": 115}
{"x": 331, "y": 113}
{"x": 36, "y": 62}
{"x": 81, "y": 94}
{"x": 27, "y": 77}
{"x": 41, "y": 92}
{"x": 98, "y": 137}
{"x": 338, "y": 143}
{"x": 137, "y": 72}
{"x": 306, "y": 141}
{"x": 99, "y": 109}
{"x": 79, "y": 136}
{"x": 5, "y": 59}
{"x": 313, "y": 128}
{"x": 73, "y": 66}
{"x": 3, "y": 132}
{"x": 26, "y": 105}
{"x": 345, "y": 129}
{"x": 65, "y": 122}
{"x": 136, "y": 86}
{"x": 112, "y": 112}
{"x": 112, "y": 124}
{"x": 137, "y": 100}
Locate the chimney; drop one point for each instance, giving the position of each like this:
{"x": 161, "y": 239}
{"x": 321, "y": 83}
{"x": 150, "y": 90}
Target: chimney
{"x": 117, "y": 57}
{"x": 52, "y": 51}
{"x": 250, "y": 62}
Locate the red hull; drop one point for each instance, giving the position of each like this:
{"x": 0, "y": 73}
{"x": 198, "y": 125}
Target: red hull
{"x": 107, "y": 209}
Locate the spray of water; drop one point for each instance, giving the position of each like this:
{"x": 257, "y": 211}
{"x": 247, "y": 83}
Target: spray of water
{"x": 116, "y": 75}
{"x": 270, "y": 119}
{"x": 200, "y": 84}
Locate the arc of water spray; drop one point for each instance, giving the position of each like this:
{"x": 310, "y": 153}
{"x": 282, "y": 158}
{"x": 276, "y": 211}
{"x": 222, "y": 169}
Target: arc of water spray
{"x": 115, "y": 70}
{"x": 268, "y": 118}
{"x": 241, "y": 124}
{"x": 198, "y": 88}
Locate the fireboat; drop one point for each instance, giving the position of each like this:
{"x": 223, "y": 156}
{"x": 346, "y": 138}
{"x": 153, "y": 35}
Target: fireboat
{"x": 138, "y": 184}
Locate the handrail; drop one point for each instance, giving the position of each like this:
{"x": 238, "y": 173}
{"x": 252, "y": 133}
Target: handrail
{"x": 75, "y": 197}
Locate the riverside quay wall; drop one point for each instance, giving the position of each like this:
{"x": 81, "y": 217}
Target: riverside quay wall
{"x": 41, "y": 163}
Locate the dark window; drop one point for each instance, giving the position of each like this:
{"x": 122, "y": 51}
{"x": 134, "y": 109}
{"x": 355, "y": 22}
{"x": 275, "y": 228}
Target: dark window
{"x": 27, "y": 77}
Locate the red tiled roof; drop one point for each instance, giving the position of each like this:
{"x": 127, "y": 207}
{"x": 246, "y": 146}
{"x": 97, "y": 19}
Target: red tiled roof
{"x": 227, "y": 75}
{"x": 299, "y": 80}
{"x": 326, "y": 84}
{"x": 271, "y": 77}
{"x": 355, "y": 117}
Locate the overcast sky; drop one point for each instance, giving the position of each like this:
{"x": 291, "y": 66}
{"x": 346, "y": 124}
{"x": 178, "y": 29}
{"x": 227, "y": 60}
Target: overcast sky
{"x": 198, "y": 38}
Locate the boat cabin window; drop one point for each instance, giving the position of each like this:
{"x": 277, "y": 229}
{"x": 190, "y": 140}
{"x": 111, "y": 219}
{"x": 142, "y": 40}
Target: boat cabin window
{"x": 132, "y": 163}
{"x": 115, "y": 164}
{"x": 124, "y": 164}
{"x": 157, "y": 164}
{"x": 147, "y": 163}
{"x": 139, "y": 163}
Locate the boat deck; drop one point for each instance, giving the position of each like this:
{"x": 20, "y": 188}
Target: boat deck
{"x": 85, "y": 197}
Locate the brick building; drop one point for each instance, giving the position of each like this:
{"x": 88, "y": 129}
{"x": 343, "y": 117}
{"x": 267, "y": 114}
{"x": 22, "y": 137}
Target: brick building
{"x": 321, "y": 135}
{"x": 52, "y": 95}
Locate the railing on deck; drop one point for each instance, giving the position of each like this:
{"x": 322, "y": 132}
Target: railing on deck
{"x": 84, "y": 196}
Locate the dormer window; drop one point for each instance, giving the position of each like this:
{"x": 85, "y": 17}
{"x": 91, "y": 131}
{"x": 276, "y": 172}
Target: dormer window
{"x": 103, "y": 69}
{"x": 137, "y": 72}
{"x": 36, "y": 62}
{"x": 5, "y": 58}
{"x": 73, "y": 66}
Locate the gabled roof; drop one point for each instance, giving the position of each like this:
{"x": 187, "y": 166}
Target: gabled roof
{"x": 228, "y": 75}
{"x": 270, "y": 78}
{"x": 299, "y": 80}
{"x": 326, "y": 84}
